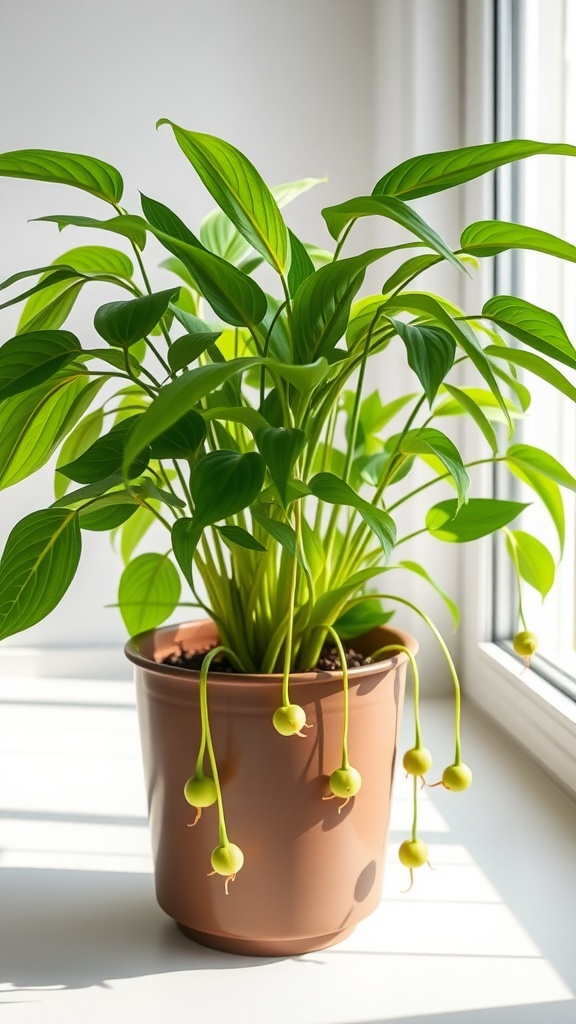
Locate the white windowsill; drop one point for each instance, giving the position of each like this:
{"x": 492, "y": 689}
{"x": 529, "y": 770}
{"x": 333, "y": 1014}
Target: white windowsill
{"x": 485, "y": 938}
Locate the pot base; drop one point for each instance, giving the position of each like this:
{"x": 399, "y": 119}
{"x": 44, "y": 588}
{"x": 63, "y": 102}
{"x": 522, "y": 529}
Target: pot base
{"x": 265, "y": 947}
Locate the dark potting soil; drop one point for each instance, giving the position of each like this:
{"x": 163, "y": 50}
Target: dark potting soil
{"x": 329, "y": 660}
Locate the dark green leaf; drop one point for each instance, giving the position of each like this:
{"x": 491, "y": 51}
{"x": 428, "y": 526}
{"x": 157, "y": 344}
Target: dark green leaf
{"x": 104, "y": 458}
{"x": 85, "y": 172}
{"x": 128, "y": 225}
{"x": 55, "y": 275}
{"x": 185, "y": 538}
{"x": 434, "y": 172}
{"x": 223, "y": 483}
{"x": 360, "y": 619}
{"x": 240, "y": 192}
{"x": 107, "y": 514}
{"x": 534, "y": 561}
{"x": 430, "y": 352}
{"x": 536, "y": 327}
{"x": 428, "y": 441}
{"x": 162, "y": 218}
{"x": 149, "y": 592}
{"x": 478, "y": 518}
{"x": 182, "y": 440}
{"x": 124, "y": 323}
{"x": 185, "y": 350}
{"x": 330, "y": 488}
{"x": 236, "y": 535}
{"x": 301, "y": 266}
{"x": 491, "y": 237}
{"x": 38, "y": 564}
{"x": 282, "y": 533}
{"x": 338, "y": 217}
{"x": 31, "y": 359}
{"x": 280, "y": 447}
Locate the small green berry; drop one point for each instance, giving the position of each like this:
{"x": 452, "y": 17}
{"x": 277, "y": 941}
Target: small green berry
{"x": 200, "y": 791}
{"x": 345, "y": 782}
{"x": 413, "y": 853}
{"x": 457, "y": 777}
{"x": 417, "y": 761}
{"x": 289, "y": 720}
{"x": 525, "y": 644}
{"x": 227, "y": 860}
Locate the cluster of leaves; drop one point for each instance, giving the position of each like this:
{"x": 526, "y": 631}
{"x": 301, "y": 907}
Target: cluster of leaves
{"x": 223, "y": 406}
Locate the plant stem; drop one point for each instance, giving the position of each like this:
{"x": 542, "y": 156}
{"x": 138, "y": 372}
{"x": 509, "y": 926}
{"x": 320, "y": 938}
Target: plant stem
{"x": 344, "y": 666}
{"x": 292, "y": 600}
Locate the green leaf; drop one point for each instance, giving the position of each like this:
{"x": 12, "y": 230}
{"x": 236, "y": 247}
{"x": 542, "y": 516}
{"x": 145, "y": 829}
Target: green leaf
{"x": 536, "y": 365}
{"x": 301, "y": 266}
{"x": 236, "y": 535}
{"x": 434, "y": 172}
{"x": 97, "y": 260}
{"x": 33, "y": 424}
{"x": 164, "y": 219}
{"x": 52, "y": 314}
{"x": 464, "y": 399}
{"x": 361, "y": 618}
{"x": 104, "y": 458}
{"x": 331, "y": 604}
{"x": 149, "y": 592}
{"x": 38, "y": 564}
{"x": 55, "y": 276}
{"x": 322, "y": 304}
{"x": 128, "y": 225}
{"x": 85, "y": 172}
{"x": 420, "y": 571}
{"x": 532, "y": 325}
{"x": 428, "y": 441}
{"x": 338, "y": 217}
{"x": 185, "y": 350}
{"x": 525, "y": 456}
{"x": 124, "y": 323}
{"x": 491, "y": 237}
{"x": 430, "y": 352}
{"x": 478, "y": 518}
{"x": 280, "y": 448}
{"x": 534, "y": 561}
{"x": 108, "y": 513}
{"x": 547, "y": 490}
{"x": 31, "y": 359}
{"x": 409, "y": 270}
{"x": 240, "y": 192}
{"x": 331, "y": 489}
{"x": 182, "y": 440}
{"x": 223, "y": 483}
{"x": 78, "y": 441}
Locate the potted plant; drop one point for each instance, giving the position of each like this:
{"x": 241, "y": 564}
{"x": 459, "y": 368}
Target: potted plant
{"x": 243, "y": 423}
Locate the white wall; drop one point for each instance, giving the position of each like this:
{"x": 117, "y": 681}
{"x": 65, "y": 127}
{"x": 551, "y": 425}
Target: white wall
{"x": 304, "y": 87}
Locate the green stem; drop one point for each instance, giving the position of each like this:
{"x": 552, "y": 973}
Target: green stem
{"x": 415, "y": 682}
{"x": 344, "y": 666}
{"x": 340, "y": 243}
{"x": 206, "y": 736}
{"x": 514, "y": 557}
{"x": 292, "y": 601}
{"x": 442, "y": 476}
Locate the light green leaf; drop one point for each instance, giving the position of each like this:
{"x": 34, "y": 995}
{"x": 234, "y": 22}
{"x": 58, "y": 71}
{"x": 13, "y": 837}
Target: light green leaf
{"x": 534, "y": 561}
{"x": 38, "y": 564}
{"x": 240, "y": 192}
{"x": 31, "y": 359}
{"x": 491, "y": 237}
{"x": 478, "y": 518}
{"x": 464, "y": 399}
{"x": 420, "y": 571}
{"x": 360, "y": 619}
{"x": 78, "y": 441}
{"x": 536, "y": 365}
{"x": 434, "y": 172}
{"x": 130, "y": 226}
{"x": 428, "y": 441}
{"x": 331, "y": 604}
{"x": 52, "y": 314}
{"x": 85, "y": 172}
{"x": 135, "y": 529}
{"x": 526, "y": 456}
{"x": 547, "y": 490}
{"x": 532, "y": 325}
{"x": 149, "y": 592}
{"x": 412, "y": 268}
{"x": 301, "y": 266}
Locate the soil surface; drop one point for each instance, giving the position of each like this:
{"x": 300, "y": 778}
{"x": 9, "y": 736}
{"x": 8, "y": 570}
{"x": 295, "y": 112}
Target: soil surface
{"x": 329, "y": 660}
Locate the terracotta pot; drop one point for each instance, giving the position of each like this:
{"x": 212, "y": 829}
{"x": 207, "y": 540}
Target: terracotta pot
{"x": 310, "y": 873}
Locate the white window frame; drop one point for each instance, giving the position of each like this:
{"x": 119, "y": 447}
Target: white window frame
{"x": 532, "y": 710}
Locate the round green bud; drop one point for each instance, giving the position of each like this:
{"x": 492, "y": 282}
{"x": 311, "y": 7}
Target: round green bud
{"x": 457, "y": 777}
{"x": 227, "y": 860}
{"x": 525, "y": 643}
{"x": 345, "y": 782}
{"x": 417, "y": 761}
{"x": 413, "y": 853}
{"x": 200, "y": 791}
{"x": 289, "y": 719}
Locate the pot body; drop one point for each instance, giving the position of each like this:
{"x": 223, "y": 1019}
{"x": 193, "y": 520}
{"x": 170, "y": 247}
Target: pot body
{"x": 313, "y": 868}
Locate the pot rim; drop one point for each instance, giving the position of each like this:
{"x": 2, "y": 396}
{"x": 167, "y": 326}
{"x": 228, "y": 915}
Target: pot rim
{"x": 134, "y": 654}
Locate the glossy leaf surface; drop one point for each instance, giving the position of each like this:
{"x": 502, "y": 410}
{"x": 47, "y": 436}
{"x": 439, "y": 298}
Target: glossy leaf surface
{"x": 31, "y": 359}
{"x": 85, "y": 172}
{"x": 478, "y": 518}
{"x": 149, "y": 592}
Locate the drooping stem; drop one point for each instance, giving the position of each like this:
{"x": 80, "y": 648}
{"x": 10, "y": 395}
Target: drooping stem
{"x": 514, "y": 557}
{"x": 206, "y": 736}
{"x": 291, "y": 606}
{"x": 344, "y": 665}
{"x": 415, "y": 684}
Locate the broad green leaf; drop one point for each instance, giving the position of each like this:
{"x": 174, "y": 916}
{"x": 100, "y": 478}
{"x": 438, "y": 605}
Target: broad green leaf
{"x": 182, "y": 440}
{"x": 185, "y": 350}
{"x": 223, "y": 483}
{"x": 124, "y": 323}
{"x": 322, "y": 304}
{"x": 409, "y": 270}
{"x": 85, "y": 172}
{"x": 31, "y": 359}
{"x": 466, "y": 402}
{"x": 532, "y": 325}
{"x": 110, "y": 484}
{"x": 331, "y": 489}
{"x": 478, "y": 518}
{"x": 434, "y": 172}
{"x": 283, "y": 533}
{"x": 50, "y": 276}
{"x": 361, "y": 618}
{"x": 85, "y": 433}
{"x": 97, "y": 260}
{"x": 236, "y": 535}
{"x": 331, "y": 604}
{"x": 135, "y": 529}
{"x": 525, "y": 456}
{"x": 280, "y": 448}
{"x": 428, "y": 441}
{"x": 104, "y": 458}
{"x": 149, "y": 592}
{"x": 108, "y": 513}
{"x": 164, "y": 219}
{"x": 33, "y": 424}
{"x": 130, "y": 226}
{"x": 301, "y": 266}
{"x": 547, "y": 490}
{"x": 421, "y": 571}
{"x": 312, "y": 550}
{"x": 534, "y": 561}
{"x": 482, "y": 397}
{"x": 536, "y": 365}
{"x": 185, "y": 538}
{"x": 339, "y": 217}
{"x": 430, "y": 353}
{"x": 236, "y": 414}
{"x": 52, "y": 314}
{"x": 38, "y": 564}
{"x": 491, "y": 237}
{"x": 240, "y": 192}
